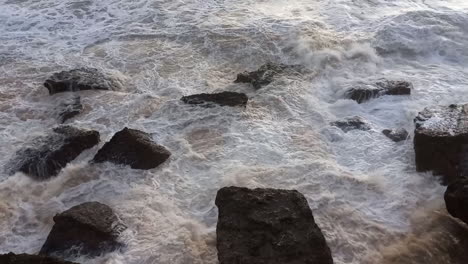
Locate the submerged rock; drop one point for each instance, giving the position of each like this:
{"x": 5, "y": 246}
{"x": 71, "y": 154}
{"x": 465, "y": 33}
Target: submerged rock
{"x": 69, "y": 109}
{"x": 12, "y": 258}
{"x": 265, "y": 74}
{"x": 89, "y": 229}
{"x": 222, "y": 99}
{"x": 367, "y": 92}
{"x": 352, "y": 123}
{"x": 396, "y": 135}
{"x": 456, "y": 198}
{"x": 267, "y": 226}
{"x": 133, "y": 147}
{"x": 80, "y": 79}
{"x": 49, "y": 154}
{"x": 439, "y": 137}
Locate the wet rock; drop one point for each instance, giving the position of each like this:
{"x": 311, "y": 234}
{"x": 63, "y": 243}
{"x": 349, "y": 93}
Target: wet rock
{"x": 91, "y": 229}
{"x": 367, "y": 92}
{"x": 69, "y": 109}
{"x": 352, "y": 123}
{"x": 47, "y": 155}
{"x": 267, "y": 226}
{"x": 133, "y": 147}
{"x": 265, "y": 74}
{"x": 80, "y": 79}
{"x": 439, "y": 137}
{"x": 12, "y": 258}
{"x": 396, "y": 135}
{"x": 456, "y": 198}
{"x": 222, "y": 99}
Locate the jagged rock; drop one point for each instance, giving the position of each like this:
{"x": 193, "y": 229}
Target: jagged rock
{"x": 352, "y": 123}
{"x": 69, "y": 109}
{"x": 267, "y": 226}
{"x": 456, "y": 198}
{"x": 80, "y": 79}
{"x": 12, "y": 258}
{"x": 47, "y": 155}
{"x": 222, "y": 99}
{"x": 440, "y": 135}
{"x": 265, "y": 74}
{"x": 133, "y": 147}
{"x": 396, "y": 135}
{"x": 365, "y": 92}
{"x": 91, "y": 229}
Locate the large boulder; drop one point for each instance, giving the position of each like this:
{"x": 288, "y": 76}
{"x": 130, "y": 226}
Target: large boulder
{"x": 396, "y": 135}
{"x": 456, "y": 198}
{"x": 265, "y": 74}
{"x": 352, "y": 123}
{"x": 133, "y": 147}
{"x": 12, "y": 258}
{"x": 80, "y": 79}
{"x": 222, "y": 99}
{"x": 69, "y": 109}
{"x": 267, "y": 226}
{"x": 47, "y": 155}
{"x": 439, "y": 137}
{"x": 89, "y": 229}
{"x": 365, "y": 92}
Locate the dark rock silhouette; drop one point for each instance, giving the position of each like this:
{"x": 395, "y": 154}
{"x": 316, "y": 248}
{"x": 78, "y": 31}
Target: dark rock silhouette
{"x": 352, "y": 123}
{"x": 265, "y": 74}
{"x": 12, "y": 258}
{"x": 69, "y": 109}
{"x": 440, "y": 135}
{"x": 365, "y": 93}
{"x": 133, "y": 147}
{"x": 79, "y": 79}
{"x": 267, "y": 226}
{"x": 47, "y": 155}
{"x": 222, "y": 99}
{"x": 89, "y": 229}
{"x": 456, "y": 198}
{"x": 396, "y": 135}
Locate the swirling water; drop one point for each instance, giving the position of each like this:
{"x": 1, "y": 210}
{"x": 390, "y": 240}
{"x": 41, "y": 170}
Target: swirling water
{"x": 365, "y": 194}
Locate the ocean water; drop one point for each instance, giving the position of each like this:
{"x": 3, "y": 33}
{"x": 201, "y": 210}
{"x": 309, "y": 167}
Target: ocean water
{"x": 362, "y": 187}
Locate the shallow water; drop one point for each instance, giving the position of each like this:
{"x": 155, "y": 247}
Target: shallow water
{"x": 362, "y": 187}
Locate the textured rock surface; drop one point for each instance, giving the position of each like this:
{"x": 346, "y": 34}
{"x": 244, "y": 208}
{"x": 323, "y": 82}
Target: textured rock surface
{"x": 133, "y": 147}
{"x": 12, "y": 258}
{"x": 440, "y": 135}
{"x": 47, "y": 155}
{"x": 351, "y": 123}
{"x": 456, "y": 198}
{"x": 267, "y": 226}
{"x": 265, "y": 74}
{"x": 223, "y": 99}
{"x": 396, "y": 135}
{"x": 80, "y": 79}
{"x": 90, "y": 229}
{"x": 367, "y": 92}
{"x": 69, "y": 109}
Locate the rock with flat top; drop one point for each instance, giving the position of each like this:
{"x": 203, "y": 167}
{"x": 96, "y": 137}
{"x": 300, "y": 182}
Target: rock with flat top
{"x": 222, "y": 99}
{"x": 364, "y": 93}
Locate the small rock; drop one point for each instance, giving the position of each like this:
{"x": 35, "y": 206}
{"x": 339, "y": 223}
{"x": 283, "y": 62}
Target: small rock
{"x": 69, "y": 109}
{"x": 396, "y": 135}
{"x": 89, "y": 229}
{"x": 222, "y": 99}
{"x": 133, "y": 147}
{"x": 47, "y": 155}
{"x": 12, "y": 258}
{"x": 366, "y": 92}
{"x": 80, "y": 79}
{"x": 352, "y": 123}
{"x": 456, "y": 199}
{"x": 267, "y": 226}
{"x": 265, "y": 74}
{"x": 439, "y": 137}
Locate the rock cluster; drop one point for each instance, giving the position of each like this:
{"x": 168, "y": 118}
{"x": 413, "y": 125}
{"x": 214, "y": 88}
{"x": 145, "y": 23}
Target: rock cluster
{"x": 366, "y": 92}
{"x": 265, "y": 74}
{"x": 352, "y": 123}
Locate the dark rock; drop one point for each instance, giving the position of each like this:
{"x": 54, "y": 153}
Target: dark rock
{"x": 352, "y": 123}
{"x": 440, "y": 135}
{"x": 396, "y": 135}
{"x": 133, "y": 147}
{"x": 79, "y": 79}
{"x": 364, "y": 93}
{"x": 456, "y": 199}
{"x": 69, "y": 109}
{"x": 265, "y": 74}
{"x": 223, "y": 99}
{"x": 268, "y": 226}
{"x": 89, "y": 229}
{"x": 12, "y": 258}
{"x": 47, "y": 155}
